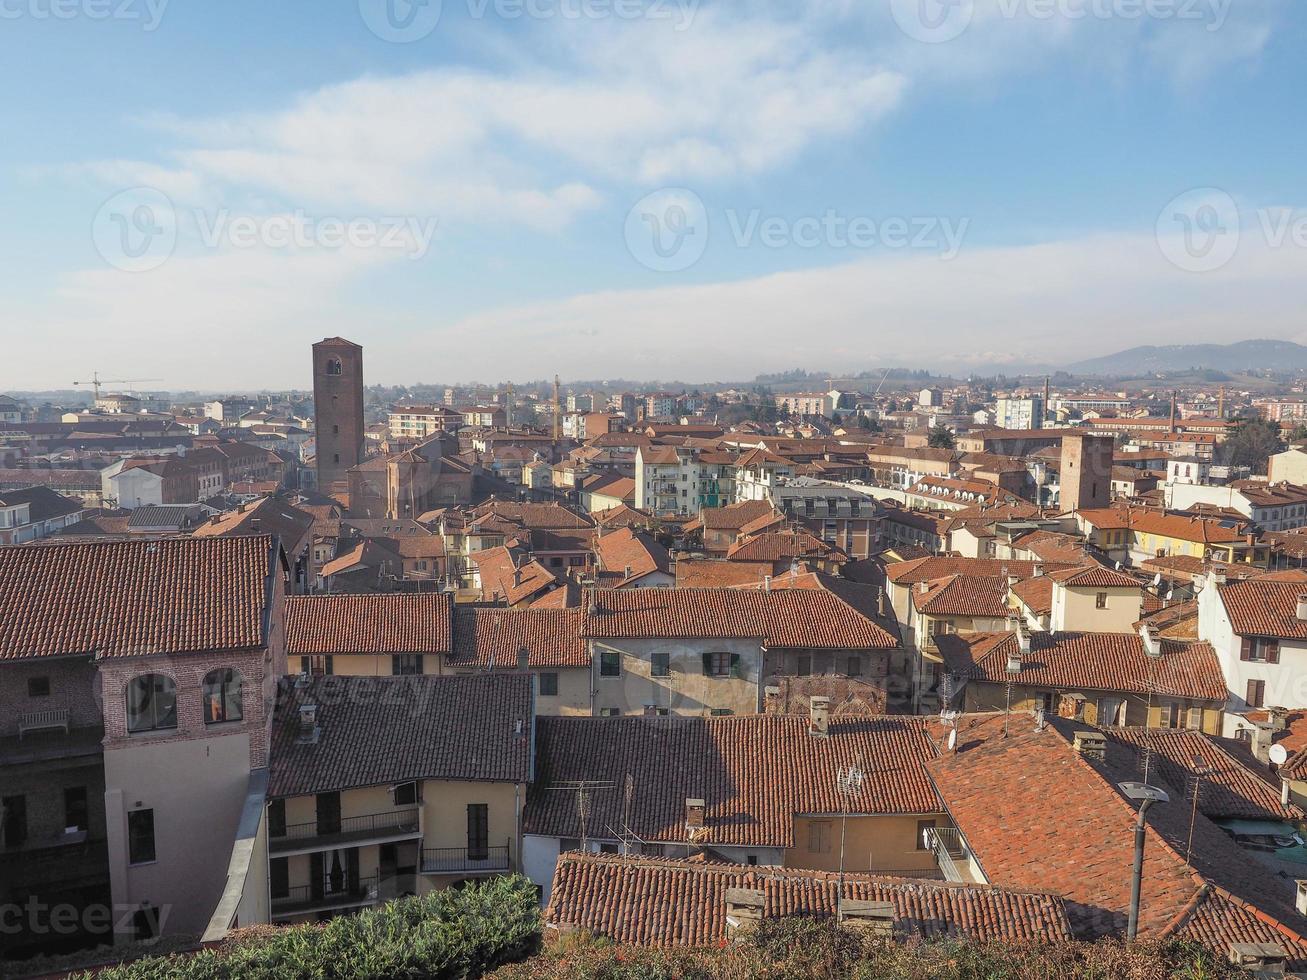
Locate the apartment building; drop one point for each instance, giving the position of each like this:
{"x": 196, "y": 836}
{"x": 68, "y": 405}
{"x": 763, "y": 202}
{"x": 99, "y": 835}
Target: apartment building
{"x": 34, "y": 513}
{"x": 382, "y": 787}
{"x": 1133, "y": 536}
{"x": 422, "y": 422}
{"x": 806, "y": 403}
{"x": 1025, "y": 412}
{"x": 136, "y": 678}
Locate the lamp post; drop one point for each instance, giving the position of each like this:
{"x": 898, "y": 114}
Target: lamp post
{"x": 1146, "y": 796}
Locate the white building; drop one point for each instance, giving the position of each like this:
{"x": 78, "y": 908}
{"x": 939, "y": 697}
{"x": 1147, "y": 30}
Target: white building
{"x": 1020, "y": 413}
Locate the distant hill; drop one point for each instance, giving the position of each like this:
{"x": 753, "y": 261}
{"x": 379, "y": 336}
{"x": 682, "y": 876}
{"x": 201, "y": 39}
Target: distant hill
{"x": 1247, "y": 355}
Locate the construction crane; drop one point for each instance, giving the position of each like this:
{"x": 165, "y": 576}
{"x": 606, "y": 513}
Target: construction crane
{"x": 96, "y": 382}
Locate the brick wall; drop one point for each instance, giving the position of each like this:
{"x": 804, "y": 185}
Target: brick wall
{"x": 74, "y": 685}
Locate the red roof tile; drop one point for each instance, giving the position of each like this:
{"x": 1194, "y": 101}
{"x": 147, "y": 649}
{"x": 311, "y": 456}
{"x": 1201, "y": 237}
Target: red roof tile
{"x": 493, "y": 637}
{"x": 380, "y": 624}
{"x": 1260, "y": 607}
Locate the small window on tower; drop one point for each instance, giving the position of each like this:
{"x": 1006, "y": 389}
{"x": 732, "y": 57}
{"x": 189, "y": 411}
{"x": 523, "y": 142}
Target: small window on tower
{"x": 333, "y": 366}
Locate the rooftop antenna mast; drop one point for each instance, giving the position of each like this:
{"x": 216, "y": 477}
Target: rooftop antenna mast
{"x": 849, "y": 781}
{"x": 1195, "y": 788}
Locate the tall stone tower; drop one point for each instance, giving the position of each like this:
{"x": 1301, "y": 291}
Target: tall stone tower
{"x": 337, "y": 408}
{"x": 1086, "y": 476}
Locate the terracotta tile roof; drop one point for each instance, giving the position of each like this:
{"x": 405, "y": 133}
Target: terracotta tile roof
{"x": 1036, "y": 593}
{"x": 388, "y": 623}
{"x": 962, "y": 595}
{"x": 622, "y": 515}
{"x": 666, "y": 902}
{"x": 783, "y": 619}
{"x": 734, "y": 516}
{"x": 374, "y": 731}
{"x": 267, "y": 516}
{"x": 707, "y": 573}
{"x": 1174, "y": 526}
{"x": 754, "y": 772}
{"x": 1035, "y": 813}
{"x": 503, "y": 578}
{"x": 1177, "y": 621}
{"x": 938, "y": 566}
{"x": 761, "y": 523}
{"x": 566, "y": 596}
{"x": 493, "y": 637}
{"x": 1258, "y": 607}
{"x": 627, "y": 548}
{"x": 125, "y": 598}
{"x": 1094, "y": 577}
{"x": 1113, "y": 662}
{"x": 545, "y": 516}
{"x": 865, "y": 598}
{"x": 783, "y": 546}
{"x": 1051, "y": 546}
{"x": 1230, "y": 788}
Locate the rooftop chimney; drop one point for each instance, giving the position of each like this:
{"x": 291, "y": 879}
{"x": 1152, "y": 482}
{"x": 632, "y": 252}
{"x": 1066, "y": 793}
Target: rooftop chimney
{"x": 694, "y": 810}
{"x": 1301, "y": 902}
{"x": 880, "y": 601}
{"x": 1091, "y": 745}
{"x": 819, "y": 716}
{"x": 523, "y": 658}
{"x": 1302, "y": 606}
{"x": 1151, "y": 645}
{"x": 766, "y": 583}
{"x": 1262, "y": 959}
{"x": 743, "y": 906}
{"x": 923, "y": 587}
{"x": 875, "y": 918}
{"x": 1039, "y": 569}
{"x": 308, "y": 723}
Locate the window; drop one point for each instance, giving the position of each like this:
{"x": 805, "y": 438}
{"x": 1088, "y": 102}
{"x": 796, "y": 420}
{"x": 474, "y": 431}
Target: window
{"x": 819, "y": 836}
{"x": 1194, "y": 719}
{"x": 38, "y": 687}
{"x": 151, "y": 703}
{"x": 277, "y": 818}
{"x": 408, "y": 794}
{"x": 402, "y": 664}
{"x": 923, "y": 839}
{"x": 660, "y": 665}
{"x": 855, "y": 666}
{"x": 145, "y": 923}
{"x": 222, "y": 696}
{"x": 316, "y": 666}
{"x": 1259, "y": 649}
{"x": 1100, "y": 600}
{"x": 1111, "y": 711}
{"x": 721, "y": 664}
{"x": 75, "y": 810}
{"x": 803, "y": 664}
{"x": 1167, "y": 715}
{"x": 140, "y": 837}
{"x": 335, "y": 430}
{"x": 608, "y": 712}
{"x": 13, "y": 821}
{"x": 279, "y": 877}
{"x": 549, "y": 684}
{"x": 720, "y": 712}
{"x": 333, "y": 365}
{"x": 610, "y": 664}
{"x": 478, "y": 831}
{"x": 1255, "y": 693}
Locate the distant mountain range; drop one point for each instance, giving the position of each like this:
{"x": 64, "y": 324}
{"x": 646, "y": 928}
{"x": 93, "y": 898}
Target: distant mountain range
{"x": 1246, "y": 355}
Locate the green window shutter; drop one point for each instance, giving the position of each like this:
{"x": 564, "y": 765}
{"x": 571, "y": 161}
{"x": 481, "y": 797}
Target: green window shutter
{"x": 707, "y": 664}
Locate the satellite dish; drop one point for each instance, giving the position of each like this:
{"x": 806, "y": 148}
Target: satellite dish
{"x": 953, "y": 740}
{"x": 1279, "y": 755}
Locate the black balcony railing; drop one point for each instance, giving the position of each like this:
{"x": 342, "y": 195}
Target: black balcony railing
{"x": 326, "y": 894}
{"x": 457, "y": 860}
{"x": 389, "y": 824}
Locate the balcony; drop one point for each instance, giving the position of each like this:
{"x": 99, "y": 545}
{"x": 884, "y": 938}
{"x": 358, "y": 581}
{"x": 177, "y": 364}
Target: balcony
{"x": 322, "y": 897}
{"x": 462, "y": 860}
{"x": 372, "y": 828}
{"x": 951, "y": 853}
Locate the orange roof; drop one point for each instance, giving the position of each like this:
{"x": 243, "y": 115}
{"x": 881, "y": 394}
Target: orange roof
{"x": 962, "y": 595}
{"x": 387, "y": 623}
{"x": 488, "y": 638}
{"x": 1261, "y": 607}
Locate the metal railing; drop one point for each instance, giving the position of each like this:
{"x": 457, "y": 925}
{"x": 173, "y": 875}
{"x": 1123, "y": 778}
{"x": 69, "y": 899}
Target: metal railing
{"x": 950, "y": 850}
{"x": 455, "y": 860}
{"x": 368, "y": 825}
{"x": 360, "y": 890}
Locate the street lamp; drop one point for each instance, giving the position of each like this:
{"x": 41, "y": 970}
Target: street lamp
{"x": 1146, "y": 796}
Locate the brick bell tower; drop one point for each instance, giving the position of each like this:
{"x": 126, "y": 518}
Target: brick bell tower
{"x": 337, "y": 408}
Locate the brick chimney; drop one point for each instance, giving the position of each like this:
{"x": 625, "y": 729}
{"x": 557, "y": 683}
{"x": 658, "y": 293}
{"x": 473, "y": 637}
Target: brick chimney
{"x": 694, "y": 813}
{"x": 819, "y": 716}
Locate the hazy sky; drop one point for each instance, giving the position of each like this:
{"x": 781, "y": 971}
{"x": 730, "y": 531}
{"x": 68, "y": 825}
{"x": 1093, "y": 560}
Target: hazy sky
{"x": 505, "y": 189}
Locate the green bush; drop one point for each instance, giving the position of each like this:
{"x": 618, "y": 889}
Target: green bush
{"x": 449, "y": 933}
{"x": 799, "y": 947}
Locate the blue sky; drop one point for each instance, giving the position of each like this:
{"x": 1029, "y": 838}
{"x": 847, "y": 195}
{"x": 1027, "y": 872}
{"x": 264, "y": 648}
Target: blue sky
{"x": 641, "y": 188}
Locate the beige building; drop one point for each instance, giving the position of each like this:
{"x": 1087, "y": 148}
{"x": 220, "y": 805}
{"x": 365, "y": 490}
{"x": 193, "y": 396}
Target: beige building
{"x": 382, "y": 787}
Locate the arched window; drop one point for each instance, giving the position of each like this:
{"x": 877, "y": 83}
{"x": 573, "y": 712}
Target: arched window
{"x": 151, "y": 703}
{"x": 333, "y": 365}
{"x": 222, "y": 696}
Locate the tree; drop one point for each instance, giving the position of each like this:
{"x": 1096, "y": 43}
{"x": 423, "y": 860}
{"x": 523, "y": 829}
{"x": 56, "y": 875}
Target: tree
{"x": 1251, "y": 443}
{"x": 941, "y": 438}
